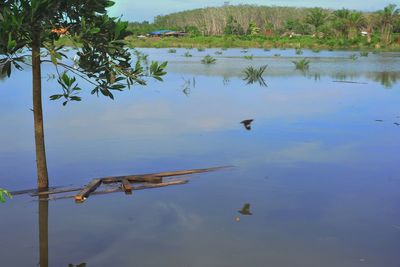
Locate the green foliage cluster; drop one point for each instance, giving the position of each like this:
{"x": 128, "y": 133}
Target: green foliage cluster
{"x": 103, "y": 61}
{"x": 4, "y": 193}
{"x": 331, "y": 28}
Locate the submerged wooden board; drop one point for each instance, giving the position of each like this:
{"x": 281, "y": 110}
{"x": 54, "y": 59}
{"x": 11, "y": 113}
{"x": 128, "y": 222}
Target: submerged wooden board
{"x": 156, "y": 177}
{"x": 126, "y": 185}
{"x": 85, "y": 192}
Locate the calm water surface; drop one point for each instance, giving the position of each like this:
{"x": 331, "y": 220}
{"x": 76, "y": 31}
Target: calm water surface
{"x": 321, "y": 175}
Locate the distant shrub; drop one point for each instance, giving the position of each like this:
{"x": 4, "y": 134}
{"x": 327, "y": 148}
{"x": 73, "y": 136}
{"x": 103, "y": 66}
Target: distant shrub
{"x": 187, "y": 54}
{"x": 172, "y": 51}
{"x": 353, "y": 57}
{"x": 208, "y": 60}
{"x": 250, "y": 57}
{"x": 302, "y": 64}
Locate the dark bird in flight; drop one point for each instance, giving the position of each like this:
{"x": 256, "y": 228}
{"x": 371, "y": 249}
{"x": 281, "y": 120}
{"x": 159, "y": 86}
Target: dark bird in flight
{"x": 247, "y": 124}
{"x": 379, "y": 120}
{"x": 396, "y": 123}
{"x": 245, "y": 210}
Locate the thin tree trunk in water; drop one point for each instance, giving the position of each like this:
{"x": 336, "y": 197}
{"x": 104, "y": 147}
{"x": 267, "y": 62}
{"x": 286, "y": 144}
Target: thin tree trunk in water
{"x": 42, "y": 176}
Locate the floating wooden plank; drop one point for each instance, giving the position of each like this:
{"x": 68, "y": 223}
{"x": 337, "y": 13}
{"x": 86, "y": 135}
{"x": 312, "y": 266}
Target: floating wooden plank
{"x": 56, "y": 191}
{"x": 30, "y": 191}
{"x": 156, "y": 177}
{"x": 85, "y": 192}
{"x": 119, "y": 189}
{"x": 126, "y": 185}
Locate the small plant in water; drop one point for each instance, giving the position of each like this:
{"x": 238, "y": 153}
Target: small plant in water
{"x": 218, "y": 52}
{"x": 201, "y": 49}
{"x": 303, "y": 64}
{"x": 353, "y": 57}
{"x": 224, "y": 48}
{"x": 316, "y": 50}
{"x": 3, "y": 193}
{"x": 267, "y": 49}
{"x": 277, "y": 55}
{"x": 299, "y": 51}
{"x": 250, "y": 57}
{"x": 208, "y": 60}
{"x": 172, "y": 51}
{"x": 187, "y": 54}
{"x": 364, "y": 53}
{"x": 252, "y": 75}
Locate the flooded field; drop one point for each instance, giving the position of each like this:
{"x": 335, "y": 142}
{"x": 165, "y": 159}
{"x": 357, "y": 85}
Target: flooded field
{"x": 315, "y": 180}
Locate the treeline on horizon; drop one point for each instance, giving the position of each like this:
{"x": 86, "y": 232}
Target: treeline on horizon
{"x": 343, "y": 23}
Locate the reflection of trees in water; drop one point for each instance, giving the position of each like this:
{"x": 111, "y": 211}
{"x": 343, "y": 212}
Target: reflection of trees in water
{"x": 44, "y": 233}
{"x": 385, "y": 78}
{"x": 344, "y": 76}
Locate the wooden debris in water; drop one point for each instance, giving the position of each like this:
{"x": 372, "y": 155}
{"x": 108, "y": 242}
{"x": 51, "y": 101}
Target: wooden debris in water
{"x": 151, "y": 180}
{"x": 119, "y": 189}
{"x": 85, "y": 192}
{"x": 56, "y": 191}
{"x": 155, "y": 177}
{"x": 126, "y": 185}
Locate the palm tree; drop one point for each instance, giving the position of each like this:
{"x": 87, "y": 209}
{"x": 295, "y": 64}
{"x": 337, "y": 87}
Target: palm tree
{"x": 355, "y": 21}
{"x": 370, "y": 24}
{"x": 387, "y": 18}
{"x": 339, "y": 20}
{"x": 316, "y": 17}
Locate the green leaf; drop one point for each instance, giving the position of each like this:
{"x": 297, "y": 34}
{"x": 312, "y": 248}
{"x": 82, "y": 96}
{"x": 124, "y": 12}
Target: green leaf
{"x": 11, "y": 43}
{"x": 55, "y": 97}
{"x": 94, "y": 30}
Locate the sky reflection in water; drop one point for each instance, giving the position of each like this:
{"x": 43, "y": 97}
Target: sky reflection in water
{"x": 318, "y": 171}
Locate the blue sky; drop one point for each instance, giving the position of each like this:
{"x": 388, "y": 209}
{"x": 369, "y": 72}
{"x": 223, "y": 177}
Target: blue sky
{"x": 139, "y": 10}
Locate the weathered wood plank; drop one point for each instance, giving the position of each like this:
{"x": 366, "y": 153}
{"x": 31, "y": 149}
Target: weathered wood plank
{"x": 126, "y": 185}
{"x": 85, "y": 192}
{"x": 156, "y": 177}
{"x": 56, "y": 191}
{"x": 119, "y": 189}
{"x": 30, "y": 191}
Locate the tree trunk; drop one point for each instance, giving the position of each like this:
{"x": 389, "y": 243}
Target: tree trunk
{"x": 369, "y": 34}
{"x": 41, "y": 165}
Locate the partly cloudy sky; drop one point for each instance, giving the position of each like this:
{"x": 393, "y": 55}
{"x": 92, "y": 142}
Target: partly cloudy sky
{"x": 139, "y": 10}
